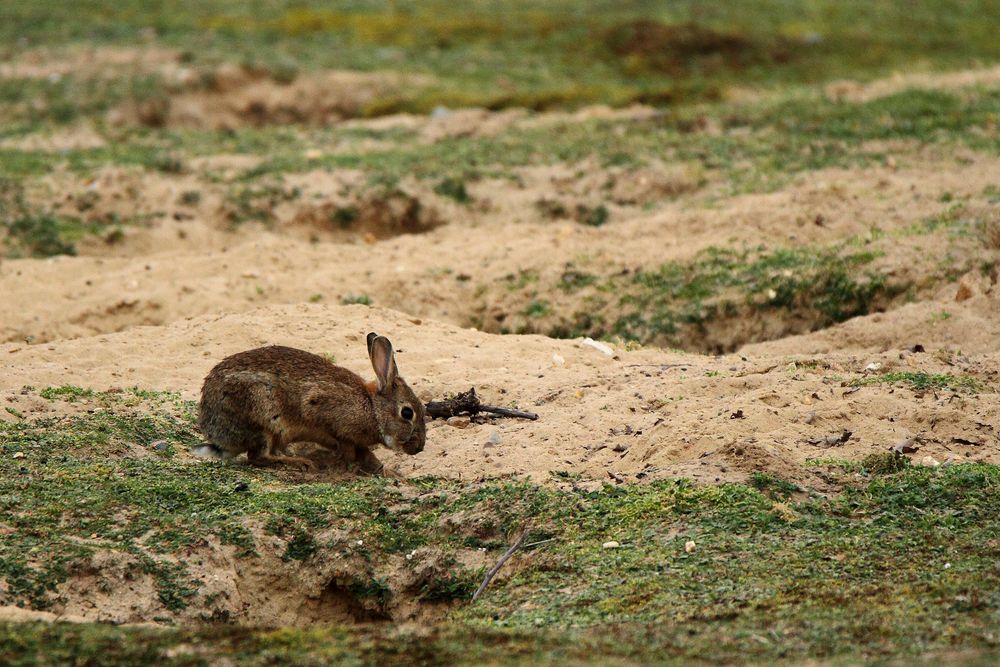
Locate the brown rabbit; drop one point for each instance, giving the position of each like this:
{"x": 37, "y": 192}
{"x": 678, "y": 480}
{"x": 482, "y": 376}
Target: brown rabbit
{"x": 262, "y": 400}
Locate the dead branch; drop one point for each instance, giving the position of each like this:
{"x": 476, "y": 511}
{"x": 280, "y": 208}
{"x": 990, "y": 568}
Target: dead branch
{"x": 503, "y": 559}
{"x": 468, "y": 403}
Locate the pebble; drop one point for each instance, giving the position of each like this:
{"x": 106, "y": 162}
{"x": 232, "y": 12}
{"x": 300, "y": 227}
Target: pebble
{"x": 930, "y": 462}
{"x": 610, "y": 545}
{"x": 160, "y": 445}
{"x": 458, "y": 422}
{"x": 603, "y": 348}
{"x": 494, "y": 439}
{"x": 689, "y": 546}
{"x": 19, "y": 455}
{"x": 557, "y": 360}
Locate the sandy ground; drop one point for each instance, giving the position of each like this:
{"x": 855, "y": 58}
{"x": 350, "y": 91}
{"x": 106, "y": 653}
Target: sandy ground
{"x": 641, "y": 414}
{"x": 175, "y": 296}
{"x": 176, "y": 268}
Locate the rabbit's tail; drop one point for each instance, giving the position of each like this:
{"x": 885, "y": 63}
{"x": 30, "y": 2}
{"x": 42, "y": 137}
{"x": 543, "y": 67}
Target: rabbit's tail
{"x": 208, "y": 451}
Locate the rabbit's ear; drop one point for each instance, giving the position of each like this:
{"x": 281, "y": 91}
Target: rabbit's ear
{"x": 383, "y": 361}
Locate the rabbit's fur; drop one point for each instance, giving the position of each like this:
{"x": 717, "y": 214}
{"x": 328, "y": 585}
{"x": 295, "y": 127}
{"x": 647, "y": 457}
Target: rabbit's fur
{"x": 262, "y": 400}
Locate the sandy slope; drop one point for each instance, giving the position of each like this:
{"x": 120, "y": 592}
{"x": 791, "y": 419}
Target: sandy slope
{"x": 451, "y": 273}
{"x": 637, "y": 415}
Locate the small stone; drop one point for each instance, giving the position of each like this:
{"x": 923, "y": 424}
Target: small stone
{"x": 558, "y": 361}
{"x": 494, "y": 439}
{"x": 611, "y": 545}
{"x": 689, "y": 546}
{"x": 603, "y": 348}
{"x": 906, "y": 446}
{"x": 458, "y": 422}
{"x": 873, "y": 366}
{"x": 929, "y": 462}
{"x": 241, "y": 487}
{"x": 160, "y": 445}
{"x": 19, "y": 455}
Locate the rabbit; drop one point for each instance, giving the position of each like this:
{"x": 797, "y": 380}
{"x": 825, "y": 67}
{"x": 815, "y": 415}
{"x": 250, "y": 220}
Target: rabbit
{"x": 262, "y": 400}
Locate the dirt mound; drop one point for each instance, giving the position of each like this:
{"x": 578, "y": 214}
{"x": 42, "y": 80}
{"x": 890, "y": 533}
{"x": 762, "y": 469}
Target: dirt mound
{"x": 233, "y": 96}
{"x": 650, "y": 44}
{"x": 373, "y": 215}
{"x": 637, "y": 414}
{"x": 275, "y": 586}
{"x": 854, "y": 91}
{"x": 690, "y": 272}
{"x": 86, "y": 61}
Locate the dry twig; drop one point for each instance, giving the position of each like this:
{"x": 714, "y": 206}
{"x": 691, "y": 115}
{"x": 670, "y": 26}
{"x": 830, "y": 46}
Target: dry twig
{"x": 503, "y": 559}
{"x": 468, "y": 403}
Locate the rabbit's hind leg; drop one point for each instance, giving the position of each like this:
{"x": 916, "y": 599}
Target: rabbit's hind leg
{"x": 264, "y": 454}
{"x": 362, "y": 458}
{"x": 228, "y": 434}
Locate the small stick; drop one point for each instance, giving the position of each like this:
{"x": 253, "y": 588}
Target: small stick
{"x": 496, "y": 568}
{"x": 507, "y": 412}
{"x": 468, "y": 402}
{"x": 535, "y": 544}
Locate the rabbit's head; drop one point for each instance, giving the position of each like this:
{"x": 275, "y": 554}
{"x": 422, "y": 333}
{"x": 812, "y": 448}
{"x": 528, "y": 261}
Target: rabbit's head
{"x": 398, "y": 412}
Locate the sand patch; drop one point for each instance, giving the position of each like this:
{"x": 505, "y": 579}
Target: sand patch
{"x": 644, "y": 414}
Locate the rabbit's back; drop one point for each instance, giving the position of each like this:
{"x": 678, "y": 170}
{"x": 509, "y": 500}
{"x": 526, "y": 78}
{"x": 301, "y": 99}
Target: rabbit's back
{"x": 288, "y": 364}
{"x": 260, "y": 391}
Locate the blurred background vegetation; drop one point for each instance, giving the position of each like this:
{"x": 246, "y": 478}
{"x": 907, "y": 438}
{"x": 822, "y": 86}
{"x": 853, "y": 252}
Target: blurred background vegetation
{"x": 536, "y": 54}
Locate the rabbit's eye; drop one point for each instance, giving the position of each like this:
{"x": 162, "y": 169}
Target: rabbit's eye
{"x": 406, "y": 412}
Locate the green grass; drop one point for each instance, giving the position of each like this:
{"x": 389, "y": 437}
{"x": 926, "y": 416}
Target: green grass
{"x": 762, "y": 146}
{"x": 898, "y": 562}
{"x": 41, "y": 236}
{"x": 454, "y": 188}
{"x": 526, "y": 52}
{"x": 922, "y": 381}
{"x": 682, "y": 303}
{"x": 765, "y": 143}
{"x": 362, "y": 299}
